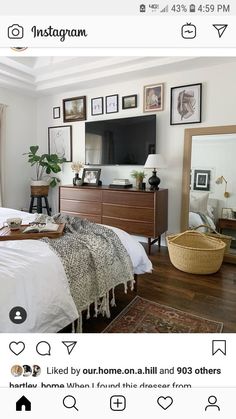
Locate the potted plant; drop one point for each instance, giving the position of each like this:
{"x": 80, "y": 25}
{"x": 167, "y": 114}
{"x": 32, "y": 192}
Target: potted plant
{"x": 45, "y": 167}
{"x": 138, "y": 176}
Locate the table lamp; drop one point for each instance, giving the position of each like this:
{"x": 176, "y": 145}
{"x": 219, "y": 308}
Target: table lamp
{"x": 154, "y": 161}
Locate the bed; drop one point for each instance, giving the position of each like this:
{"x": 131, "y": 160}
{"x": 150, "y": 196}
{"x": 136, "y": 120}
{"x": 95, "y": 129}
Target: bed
{"x": 203, "y": 210}
{"x": 33, "y": 276}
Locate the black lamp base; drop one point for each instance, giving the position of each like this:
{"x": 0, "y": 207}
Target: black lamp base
{"x": 154, "y": 181}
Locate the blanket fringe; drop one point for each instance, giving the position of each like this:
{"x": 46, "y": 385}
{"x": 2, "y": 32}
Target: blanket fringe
{"x": 102, "y": 305}
{"x": 113, "y": 300}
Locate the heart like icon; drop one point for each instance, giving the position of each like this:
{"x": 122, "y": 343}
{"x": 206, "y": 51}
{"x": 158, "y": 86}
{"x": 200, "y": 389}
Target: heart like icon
{"x": 165, "y": 402}
{"x": 17, "y": 347}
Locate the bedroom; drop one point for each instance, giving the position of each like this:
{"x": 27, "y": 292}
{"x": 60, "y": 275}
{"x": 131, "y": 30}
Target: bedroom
{"x": 32, "y": 87}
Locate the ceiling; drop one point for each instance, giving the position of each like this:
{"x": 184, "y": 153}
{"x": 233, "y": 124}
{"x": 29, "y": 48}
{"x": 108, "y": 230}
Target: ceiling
{"x": 47, "y": 75}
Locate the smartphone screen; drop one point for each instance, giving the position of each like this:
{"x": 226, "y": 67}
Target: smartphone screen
{"x": 117, "y": 209}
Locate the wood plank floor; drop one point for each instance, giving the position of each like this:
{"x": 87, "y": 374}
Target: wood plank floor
{"x": 209, "y": 296}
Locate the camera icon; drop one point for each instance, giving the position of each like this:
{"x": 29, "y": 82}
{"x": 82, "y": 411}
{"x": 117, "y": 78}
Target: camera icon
{"x": 15, "y": 32}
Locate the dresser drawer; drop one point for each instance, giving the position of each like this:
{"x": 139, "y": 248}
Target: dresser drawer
{"x": 127, "y": 213}
{"x": 80, "y": 194}
{"x": 80, "y": 207}
{"x": 132, "y": 227}
{"x": 89, "y": 217}
{"x": 134, "y": 199}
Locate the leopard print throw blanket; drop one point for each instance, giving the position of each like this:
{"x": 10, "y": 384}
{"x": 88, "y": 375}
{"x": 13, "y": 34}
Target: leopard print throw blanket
{"x": 95, "y": 262}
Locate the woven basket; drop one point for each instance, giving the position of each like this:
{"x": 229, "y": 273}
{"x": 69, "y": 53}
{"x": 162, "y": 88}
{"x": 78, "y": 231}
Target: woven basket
{"x": 195, "y": 252}
{"x": 213, "y": 233}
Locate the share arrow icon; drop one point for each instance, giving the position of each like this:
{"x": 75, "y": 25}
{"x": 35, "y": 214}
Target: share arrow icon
{"x": 70, "y": 344}
{"x": 220, "y": 29}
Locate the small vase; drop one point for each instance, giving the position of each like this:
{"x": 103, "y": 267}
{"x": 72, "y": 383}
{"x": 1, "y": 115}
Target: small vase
{"x": 76, "y": 180}
{"x": 139, "y": 184}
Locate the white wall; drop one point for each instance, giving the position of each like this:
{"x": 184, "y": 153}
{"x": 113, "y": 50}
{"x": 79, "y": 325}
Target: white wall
{"x": 20, "y": 134}
{"x": 219, "y": 92}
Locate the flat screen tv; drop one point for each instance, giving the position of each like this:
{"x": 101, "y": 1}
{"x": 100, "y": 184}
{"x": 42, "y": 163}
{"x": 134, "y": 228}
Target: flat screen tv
{"x": 122, "y": 141}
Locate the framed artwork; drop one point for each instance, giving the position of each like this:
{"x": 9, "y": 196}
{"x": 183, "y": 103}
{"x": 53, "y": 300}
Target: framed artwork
{"x": 91, "y": 176}
{"x": 227, "y": 213}
{"x": 201, "y": 181}
{"x": 97, "y": 106}
{"x": 186, "y": 104}
{"x": 56, "y": 112}
{"x": 60, "y": 141}
{"x": 74, "y": 109}
{"x": 129, "y": 102}
{"x": 112, "y": 105}
{"x": 153, "y": 98}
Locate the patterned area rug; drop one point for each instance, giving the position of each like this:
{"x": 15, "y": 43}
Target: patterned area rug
{"x": 144, "y": 316}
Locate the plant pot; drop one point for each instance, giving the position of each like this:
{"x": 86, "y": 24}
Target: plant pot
{"x": 39, "y": 188}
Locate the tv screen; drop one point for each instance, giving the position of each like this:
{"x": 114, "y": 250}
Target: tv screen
{"x": 120, "y": 141}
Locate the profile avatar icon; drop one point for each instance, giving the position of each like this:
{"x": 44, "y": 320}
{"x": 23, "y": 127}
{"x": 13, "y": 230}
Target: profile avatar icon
{"x": 36, "y": 371}
{"x": 18, "y": 315}
{"x": 27, "y": 371}
{"x": 16, "y": 370}
{"x": 212, "y": 402}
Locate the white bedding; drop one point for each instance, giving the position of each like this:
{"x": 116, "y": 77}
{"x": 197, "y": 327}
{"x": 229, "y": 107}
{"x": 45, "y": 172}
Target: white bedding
{"x": 32, "y": 276}
{"x": 195, "y": 220}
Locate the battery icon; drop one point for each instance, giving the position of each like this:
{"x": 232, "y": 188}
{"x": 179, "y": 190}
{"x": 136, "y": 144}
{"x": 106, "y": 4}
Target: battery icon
{"x": 192, "y": 8}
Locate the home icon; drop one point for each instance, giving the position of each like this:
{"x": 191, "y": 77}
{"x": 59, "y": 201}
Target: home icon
{"x": 23, "y": 404}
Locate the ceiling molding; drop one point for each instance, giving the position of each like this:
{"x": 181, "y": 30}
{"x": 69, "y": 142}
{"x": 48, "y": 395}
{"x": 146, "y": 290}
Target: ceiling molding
{"x": 45, "y": 75}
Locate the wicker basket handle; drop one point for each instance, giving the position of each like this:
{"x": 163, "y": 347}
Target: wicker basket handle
{"x": 186, "y": 232}
{"x": 208, "y": 227}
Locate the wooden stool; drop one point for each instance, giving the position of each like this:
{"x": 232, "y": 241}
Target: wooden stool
{"x": 39, "y": 192}
{"x": 39, "y": 206}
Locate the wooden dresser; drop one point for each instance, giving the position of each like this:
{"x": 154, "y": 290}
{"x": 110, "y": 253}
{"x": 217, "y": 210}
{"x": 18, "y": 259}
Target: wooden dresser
{"x": 144, "y": 213}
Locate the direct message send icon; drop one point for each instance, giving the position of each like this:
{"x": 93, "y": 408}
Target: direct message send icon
{"x": 69, "y": 344}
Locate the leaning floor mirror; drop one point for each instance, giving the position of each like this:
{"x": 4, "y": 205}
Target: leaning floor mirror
{"x": 208, "y": 186}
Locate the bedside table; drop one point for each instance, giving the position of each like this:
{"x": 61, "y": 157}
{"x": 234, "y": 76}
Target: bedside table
{"x": 226, "y": 223}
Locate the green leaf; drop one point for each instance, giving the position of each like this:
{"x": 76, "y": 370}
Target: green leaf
{"x": 34, "y": 149}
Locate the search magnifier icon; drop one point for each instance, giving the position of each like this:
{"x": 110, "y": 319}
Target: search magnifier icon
{"x": 69, "y": 402}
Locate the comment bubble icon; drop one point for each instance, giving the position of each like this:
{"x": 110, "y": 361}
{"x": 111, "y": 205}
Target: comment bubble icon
{"x": 43, "y": 348}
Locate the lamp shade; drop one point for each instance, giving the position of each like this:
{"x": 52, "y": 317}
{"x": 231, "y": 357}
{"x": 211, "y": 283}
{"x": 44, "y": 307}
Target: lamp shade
{"x": 155, "y": 161}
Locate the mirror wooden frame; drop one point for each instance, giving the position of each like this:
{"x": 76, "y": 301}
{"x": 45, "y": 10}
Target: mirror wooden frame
{"x": 188, "y": 135}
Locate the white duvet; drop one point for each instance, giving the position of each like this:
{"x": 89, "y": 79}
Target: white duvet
{"x": 32, "y": 276}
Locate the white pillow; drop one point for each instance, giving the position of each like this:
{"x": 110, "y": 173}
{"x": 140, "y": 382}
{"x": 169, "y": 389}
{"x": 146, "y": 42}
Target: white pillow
{"x": 198, "y": 202}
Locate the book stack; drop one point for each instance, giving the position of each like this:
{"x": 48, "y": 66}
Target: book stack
{"x": 121, "y": 183}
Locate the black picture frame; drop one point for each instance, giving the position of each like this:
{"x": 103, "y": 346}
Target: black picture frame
{"x": 97, "y": 106}
{"x": 60, "y": 141}
{"x": 91, "y": 176}
{"x": 129, "y": 102}
{"x": 112, "y": 103}
{"x": 186, "y": 104}
{"x": 74, "y": 109}
{"x": 202, "y": 180}
{"x": 56, "y": 112}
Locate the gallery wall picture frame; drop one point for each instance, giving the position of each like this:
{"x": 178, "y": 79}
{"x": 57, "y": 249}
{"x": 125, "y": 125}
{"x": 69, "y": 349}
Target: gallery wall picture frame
{"x": 74, "y": 109}
{"x": 186, "y": 104}
{"x": 97, "y": 106}
{"x": 112, "y": 103}
{"x": 91, "y": 176}
{"x": 56, "y": 112}
{"x": 60, "y": 141}
{"x": 202, "y": 180}
{"x": 129, "y": 102}
{"x": 153, "y": 97}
